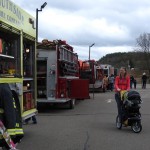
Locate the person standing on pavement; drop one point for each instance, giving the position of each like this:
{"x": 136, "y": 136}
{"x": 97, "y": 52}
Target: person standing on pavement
{"x": 105, "y": 83}
{"x": 111, "y": 82}
{"x": 122, "y": 82}
{"x": 131, "y": 81}
{"x": 134, "y": 83}
{"x": 144, "y": 80}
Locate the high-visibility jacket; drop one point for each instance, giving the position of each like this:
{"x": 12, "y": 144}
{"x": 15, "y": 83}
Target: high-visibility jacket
{"x": 10, "y": 113}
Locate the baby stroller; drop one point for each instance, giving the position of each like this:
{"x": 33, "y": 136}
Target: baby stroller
{"x": 131, "y": 115}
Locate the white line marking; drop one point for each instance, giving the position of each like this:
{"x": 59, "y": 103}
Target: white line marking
{"x": 109, "y": 100}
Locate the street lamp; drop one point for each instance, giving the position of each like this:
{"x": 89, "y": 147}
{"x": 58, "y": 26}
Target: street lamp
{"x": 37, "y": 10}
{"x": 90, "y": 49}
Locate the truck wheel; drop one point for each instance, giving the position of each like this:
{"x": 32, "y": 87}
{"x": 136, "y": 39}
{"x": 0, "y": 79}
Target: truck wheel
{"x": 72, "y": 103}
{"x": 104, "y": 90}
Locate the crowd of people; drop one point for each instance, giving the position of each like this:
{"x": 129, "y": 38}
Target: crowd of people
{"x": 109, "y": 81}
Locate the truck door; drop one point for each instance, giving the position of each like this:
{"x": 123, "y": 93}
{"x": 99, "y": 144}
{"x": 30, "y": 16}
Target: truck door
{"x": 41, "y": 77}
{"x": 78, "y": 89}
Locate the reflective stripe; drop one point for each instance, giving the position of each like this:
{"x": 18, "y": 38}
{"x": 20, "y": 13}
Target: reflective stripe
{"x": 1, "y": 111}
{"x": 11, "y": 131}
{"x": 15, "y": 131}
{"x": 17, "y": 124}
{"x": 19, "y": 131}
{"x": 14, "y": 103}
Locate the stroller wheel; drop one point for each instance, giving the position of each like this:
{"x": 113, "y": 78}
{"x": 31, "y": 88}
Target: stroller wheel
{"x": 136, "y": 127}
{"x": 118, "y": 122}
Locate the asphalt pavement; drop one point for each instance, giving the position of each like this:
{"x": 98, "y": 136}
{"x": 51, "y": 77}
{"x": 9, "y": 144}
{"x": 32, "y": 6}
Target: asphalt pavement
{"x": 89, "y": 126}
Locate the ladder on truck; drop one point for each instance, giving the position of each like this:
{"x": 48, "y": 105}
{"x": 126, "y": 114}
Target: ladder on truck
{"x": 67, "y": 55}
{"x": 69, "y": 61}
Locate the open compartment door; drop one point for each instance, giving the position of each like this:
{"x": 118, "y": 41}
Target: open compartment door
{"x": 78, "y": 89}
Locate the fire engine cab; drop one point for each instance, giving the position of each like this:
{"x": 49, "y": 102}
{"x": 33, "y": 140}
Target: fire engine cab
{"x": 58, "y": 74}
{"x": 90, "y": 70}
{"x": 108, "y": 69}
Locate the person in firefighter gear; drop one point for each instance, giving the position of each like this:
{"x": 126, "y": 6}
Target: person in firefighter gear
{"x": 10, "y": 114}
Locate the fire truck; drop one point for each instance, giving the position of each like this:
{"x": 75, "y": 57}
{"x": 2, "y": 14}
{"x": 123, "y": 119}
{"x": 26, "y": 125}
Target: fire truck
{"x": 89, "y": 69}
{"x": 58, "y": 74}
{"x": 108, "y": 69}
{"x": 17, "y": 55}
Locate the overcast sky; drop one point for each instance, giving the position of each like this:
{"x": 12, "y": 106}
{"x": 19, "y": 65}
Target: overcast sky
{"x": 113, "y": 25}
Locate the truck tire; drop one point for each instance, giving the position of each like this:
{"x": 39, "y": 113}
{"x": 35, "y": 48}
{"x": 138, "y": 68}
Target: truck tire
{"x": 71, "y": 103}
{"x": 104, "y": 90}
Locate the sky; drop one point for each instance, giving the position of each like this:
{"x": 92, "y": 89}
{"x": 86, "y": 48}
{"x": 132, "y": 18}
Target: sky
{"x": 113, "y": 25}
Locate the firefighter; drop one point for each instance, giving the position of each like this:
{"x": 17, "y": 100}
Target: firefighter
{"x": 10, "y": 114}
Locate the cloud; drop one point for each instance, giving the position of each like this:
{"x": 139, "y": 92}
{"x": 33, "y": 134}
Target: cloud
{"x": 80, "y": 30}
{"x": 97, "y": 52}
{"x": 113, "y": 25}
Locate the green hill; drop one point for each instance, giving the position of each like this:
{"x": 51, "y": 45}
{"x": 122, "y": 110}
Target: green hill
{"x": 126, "y": 59}
{"x": 137, "y": 60}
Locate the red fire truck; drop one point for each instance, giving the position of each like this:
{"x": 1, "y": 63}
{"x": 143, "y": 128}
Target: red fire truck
{"x": 91, "y": 70}
{"x": 108, "y": 69}
{"x": 58, "y": 74}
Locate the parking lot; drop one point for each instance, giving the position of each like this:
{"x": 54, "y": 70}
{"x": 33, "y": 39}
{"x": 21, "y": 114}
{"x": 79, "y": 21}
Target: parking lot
{"x": 89, "y": 126}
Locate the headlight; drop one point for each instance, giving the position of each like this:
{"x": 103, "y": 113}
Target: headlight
{"x": 62, "y": 95}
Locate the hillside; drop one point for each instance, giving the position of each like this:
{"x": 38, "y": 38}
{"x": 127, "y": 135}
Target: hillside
{"x": 134, "y": 59}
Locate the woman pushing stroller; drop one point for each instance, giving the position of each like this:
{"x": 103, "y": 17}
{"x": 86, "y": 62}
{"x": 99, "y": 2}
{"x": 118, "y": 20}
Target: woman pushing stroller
{"x": 122, "y": 82}
{"x": 127, "y": 103}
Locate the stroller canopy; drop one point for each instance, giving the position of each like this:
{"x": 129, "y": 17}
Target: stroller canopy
{"x": 133, "y": 96}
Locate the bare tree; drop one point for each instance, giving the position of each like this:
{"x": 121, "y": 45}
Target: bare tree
{"x": 143, "y": 45}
